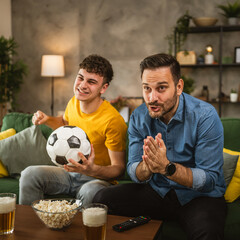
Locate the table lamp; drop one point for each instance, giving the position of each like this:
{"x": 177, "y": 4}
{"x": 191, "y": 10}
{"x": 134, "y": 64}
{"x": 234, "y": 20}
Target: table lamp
{"x": 52, "y": 66}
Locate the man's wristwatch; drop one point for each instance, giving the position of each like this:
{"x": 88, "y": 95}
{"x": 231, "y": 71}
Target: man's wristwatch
{"x": 170, "y": 169}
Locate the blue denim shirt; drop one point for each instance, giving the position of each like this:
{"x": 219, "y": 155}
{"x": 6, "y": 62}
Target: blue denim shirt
{"x": 193, "y": 138}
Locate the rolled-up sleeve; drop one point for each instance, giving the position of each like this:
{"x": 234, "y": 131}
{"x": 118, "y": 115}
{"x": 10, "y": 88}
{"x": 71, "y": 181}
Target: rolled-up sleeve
{"x": 199, "y": 178}
{"x": 132, "y": 171}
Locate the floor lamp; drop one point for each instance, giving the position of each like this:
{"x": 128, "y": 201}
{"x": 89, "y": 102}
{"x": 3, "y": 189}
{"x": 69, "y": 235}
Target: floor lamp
{"x": 52, "y": 66}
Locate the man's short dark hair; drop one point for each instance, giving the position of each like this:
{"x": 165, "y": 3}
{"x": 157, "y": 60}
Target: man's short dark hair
{"x": 162, "y": 60}
{"x": 98, "y": 65}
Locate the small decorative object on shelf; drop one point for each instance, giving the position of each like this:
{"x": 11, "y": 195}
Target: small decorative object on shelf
{"x": 209, "y": 58}
{"x": 227, "y": 60}
{"x": 205, "y": 93}
{"x": 186, "y": 57}
{"x": 200, "y": 59}
{"x": 237, "y": 54}
{"x": 233, "y": 95}
{"x": 204, "y": 21}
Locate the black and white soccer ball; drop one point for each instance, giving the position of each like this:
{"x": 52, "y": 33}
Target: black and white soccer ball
{"x": 65, "y": 143}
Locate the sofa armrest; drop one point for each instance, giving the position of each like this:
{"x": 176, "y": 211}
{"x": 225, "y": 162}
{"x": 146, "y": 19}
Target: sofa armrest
{"x": 20, "y": 121}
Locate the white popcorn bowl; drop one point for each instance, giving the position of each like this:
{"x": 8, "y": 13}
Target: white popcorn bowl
{"x": 57, "y": 219}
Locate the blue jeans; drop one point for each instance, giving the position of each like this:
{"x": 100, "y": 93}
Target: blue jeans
{"x": 36, "y": 181}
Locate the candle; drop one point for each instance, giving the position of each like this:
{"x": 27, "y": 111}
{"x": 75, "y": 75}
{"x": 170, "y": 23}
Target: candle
{"x": 209, "y": 58}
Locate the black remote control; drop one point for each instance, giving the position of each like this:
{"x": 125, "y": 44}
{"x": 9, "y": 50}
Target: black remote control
{"x": 131, "y": 223}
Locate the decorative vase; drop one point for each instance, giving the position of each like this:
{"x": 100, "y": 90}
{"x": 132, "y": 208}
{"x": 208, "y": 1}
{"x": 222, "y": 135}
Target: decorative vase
{"x": 233, "y": 97}
{"x": 209, "y": 58}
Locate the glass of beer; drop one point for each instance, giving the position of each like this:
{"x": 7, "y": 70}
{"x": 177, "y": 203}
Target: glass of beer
{"x": 94, "y": 221}
{"x": 7, "y": 212}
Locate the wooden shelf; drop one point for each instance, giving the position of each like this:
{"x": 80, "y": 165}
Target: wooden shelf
{"x": 210, "y": 65}
{"x": 230, "y": 102}
{"x": 214, "y": 29}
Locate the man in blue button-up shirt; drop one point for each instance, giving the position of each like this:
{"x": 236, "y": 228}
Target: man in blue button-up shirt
{"x": 175, "y": 156}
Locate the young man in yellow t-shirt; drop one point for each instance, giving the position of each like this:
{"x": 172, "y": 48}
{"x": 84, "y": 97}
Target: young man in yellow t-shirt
{"x": 105, "y": 128}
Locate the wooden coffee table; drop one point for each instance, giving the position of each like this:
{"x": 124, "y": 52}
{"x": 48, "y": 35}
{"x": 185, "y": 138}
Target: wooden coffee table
{"x": 28, "y": 227}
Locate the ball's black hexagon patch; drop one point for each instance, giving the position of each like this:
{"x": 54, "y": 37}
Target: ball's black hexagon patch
{"x": 52, "y": 139}
{"x": 61, "y": 160}
{"x": 74, "y": 142}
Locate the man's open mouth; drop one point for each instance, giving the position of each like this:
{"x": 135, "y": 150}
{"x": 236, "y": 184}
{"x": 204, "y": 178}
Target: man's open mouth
{"x": 81, "y": 91}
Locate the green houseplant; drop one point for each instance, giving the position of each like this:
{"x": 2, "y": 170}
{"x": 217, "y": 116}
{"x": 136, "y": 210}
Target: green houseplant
{"x": 12, "y": 72}
{"x": 233, "y": 90}
{"x": 181, "y": 29}
{"x": 230, "y": 11}
{"x": 188, "y": 84}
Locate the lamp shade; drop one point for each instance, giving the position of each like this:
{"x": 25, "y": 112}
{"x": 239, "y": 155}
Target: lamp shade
{"x": 52, "y": 66}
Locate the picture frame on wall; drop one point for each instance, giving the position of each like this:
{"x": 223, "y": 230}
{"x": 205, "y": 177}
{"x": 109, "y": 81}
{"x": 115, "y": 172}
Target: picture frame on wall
{"x": 237, "y": 55}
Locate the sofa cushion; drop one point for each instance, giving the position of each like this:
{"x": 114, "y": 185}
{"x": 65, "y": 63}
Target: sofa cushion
{"x": 233, "y": 189}
{"x": 25, "y": 148}
{"x": 5, "y": 134}
{"x": 229, "y": 166}
{"x": 18, "y": 121}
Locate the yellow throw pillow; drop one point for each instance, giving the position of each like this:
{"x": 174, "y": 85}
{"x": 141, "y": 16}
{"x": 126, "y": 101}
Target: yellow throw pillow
{"x": 5, "y": 134}
{"x": 3, "y": 171}
{"x": 233, "y": 189}
{"x": 8, "y": 133}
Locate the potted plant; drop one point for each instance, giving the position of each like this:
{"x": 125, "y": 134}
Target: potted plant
{"x": 181, "y": 30}
{"x": 231, "y": 11}
{"x": 188, "y": 84}
{"x": 233, "y": 95}
{"x": 12, "y": 72}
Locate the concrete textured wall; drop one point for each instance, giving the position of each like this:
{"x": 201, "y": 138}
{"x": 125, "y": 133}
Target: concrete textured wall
{"x": 5, "y": 18}
{"x": 123, "y": 31}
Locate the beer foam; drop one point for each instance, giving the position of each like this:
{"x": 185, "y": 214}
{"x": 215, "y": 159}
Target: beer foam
{"x": 94, "y": 217}
{"x": 7, "y": 204}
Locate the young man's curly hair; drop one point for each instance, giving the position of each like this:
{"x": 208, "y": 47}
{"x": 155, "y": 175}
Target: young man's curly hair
{"x": 98, "y": 65}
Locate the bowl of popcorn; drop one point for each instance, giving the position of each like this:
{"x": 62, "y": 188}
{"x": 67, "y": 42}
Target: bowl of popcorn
{"x": 57, "y": 214}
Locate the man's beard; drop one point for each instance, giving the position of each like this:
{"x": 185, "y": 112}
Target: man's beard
{"x": 166, "y": 107}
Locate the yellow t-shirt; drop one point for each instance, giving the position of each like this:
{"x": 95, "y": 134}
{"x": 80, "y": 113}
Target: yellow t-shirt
{"x": 105, "y": 128}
